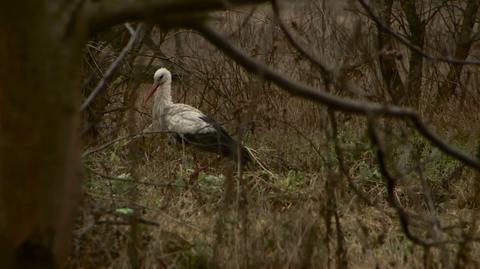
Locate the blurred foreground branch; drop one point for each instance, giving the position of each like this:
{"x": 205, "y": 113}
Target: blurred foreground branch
{"x": 102, "y": 14}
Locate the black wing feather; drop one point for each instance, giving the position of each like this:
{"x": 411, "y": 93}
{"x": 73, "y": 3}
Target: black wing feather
{"x": 218, "y": 141}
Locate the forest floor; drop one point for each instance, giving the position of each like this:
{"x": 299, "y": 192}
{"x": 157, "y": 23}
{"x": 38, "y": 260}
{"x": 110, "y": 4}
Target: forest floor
{"x": 296, "y": 210}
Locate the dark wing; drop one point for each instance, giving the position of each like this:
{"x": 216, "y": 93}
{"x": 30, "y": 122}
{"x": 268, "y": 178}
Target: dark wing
{"x": 216, "y": 140}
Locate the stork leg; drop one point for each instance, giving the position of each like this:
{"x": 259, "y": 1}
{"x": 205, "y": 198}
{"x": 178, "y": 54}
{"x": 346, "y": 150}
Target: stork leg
{"x": 196, "y": 172}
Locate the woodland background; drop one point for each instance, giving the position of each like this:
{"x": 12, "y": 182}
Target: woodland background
{"x": 386, "y": 179}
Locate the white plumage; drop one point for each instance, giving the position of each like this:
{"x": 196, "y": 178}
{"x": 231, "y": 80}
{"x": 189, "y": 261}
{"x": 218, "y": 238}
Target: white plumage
{"x": 189, "y": 124}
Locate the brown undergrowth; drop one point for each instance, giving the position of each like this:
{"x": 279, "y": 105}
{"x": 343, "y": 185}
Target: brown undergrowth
{"x": 312, "y": 201}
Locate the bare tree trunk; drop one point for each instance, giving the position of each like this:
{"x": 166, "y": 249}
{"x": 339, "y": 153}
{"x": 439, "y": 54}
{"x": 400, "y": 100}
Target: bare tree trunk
{"x": 134, "y": 155}
{"x": 179, "y": 51}
{"x": 135, "y": 152}
{"x": 464, "y": 43}
{"x": 386, "y": 58}
{"x": 416, "y": 37}
{"x": 40, "y": 49}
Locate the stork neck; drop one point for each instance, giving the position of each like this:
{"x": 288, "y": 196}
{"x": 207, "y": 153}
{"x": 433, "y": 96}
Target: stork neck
{"x": 163, "y": 95}
{"x": 163, "y": 99}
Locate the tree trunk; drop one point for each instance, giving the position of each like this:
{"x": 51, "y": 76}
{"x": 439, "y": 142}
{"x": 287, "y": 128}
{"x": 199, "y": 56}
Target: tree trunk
{"x": 416, "y": 37}
{"x": 386, "y": 58}
{"x": 40, "y": 49}
{"x": 464, "y": 43}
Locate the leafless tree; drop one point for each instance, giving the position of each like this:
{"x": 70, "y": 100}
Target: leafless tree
{"x": 40, "y": 105}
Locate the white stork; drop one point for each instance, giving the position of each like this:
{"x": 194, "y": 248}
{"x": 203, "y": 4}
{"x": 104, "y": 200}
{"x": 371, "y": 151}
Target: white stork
{"x": 189, "y": 124}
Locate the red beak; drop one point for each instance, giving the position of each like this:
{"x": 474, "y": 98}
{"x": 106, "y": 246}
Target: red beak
{"x": 151, "y": 91}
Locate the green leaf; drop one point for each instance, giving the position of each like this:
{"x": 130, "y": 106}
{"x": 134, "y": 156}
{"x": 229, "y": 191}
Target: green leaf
{"x": 124, "y": 211}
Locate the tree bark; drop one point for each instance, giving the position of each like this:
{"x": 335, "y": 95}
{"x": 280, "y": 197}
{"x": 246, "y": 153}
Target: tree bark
{"x": 386, "y": 58}
{"x": 416, "y": 37}
{"x": 41, "y": 44}
{"x": 464, "y": 43}
{"x": 40, "y": 48}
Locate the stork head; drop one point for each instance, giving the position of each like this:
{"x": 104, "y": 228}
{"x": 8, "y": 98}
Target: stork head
{"x": 161, "y": 77}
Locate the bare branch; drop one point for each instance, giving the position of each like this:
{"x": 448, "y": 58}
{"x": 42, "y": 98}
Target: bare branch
{"x": 390, "y": 184}
{"x": 334, "y": 102}
{"x": 149, "y": 183}
{"x": 112, "y": 142}
{"x": 341, "y": 161}
{"x": 102, "y": 14}
{"x": 244, "y": 23}
{"x": 407, "y": 43}
{"x": 111, "y": 69}
{"x": 326, "y": 72}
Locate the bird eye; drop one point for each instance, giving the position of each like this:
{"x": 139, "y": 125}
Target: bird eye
{"x": 161, "y": 76}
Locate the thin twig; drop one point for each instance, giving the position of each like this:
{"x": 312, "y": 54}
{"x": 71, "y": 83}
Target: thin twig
{"x": 134, "y": 181}
{"x": 390, "y": 185}
{"x": 326, "y": 72}
{"x": 111, "y": 69}
{"x": 334, "y": 102}
{"x": 407, "y": 43}
{"x": 244, "y": 23}
{"x": 108, "y": 144}
{"x": 160, "y": 211}
{"x": 341, "y": 162}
